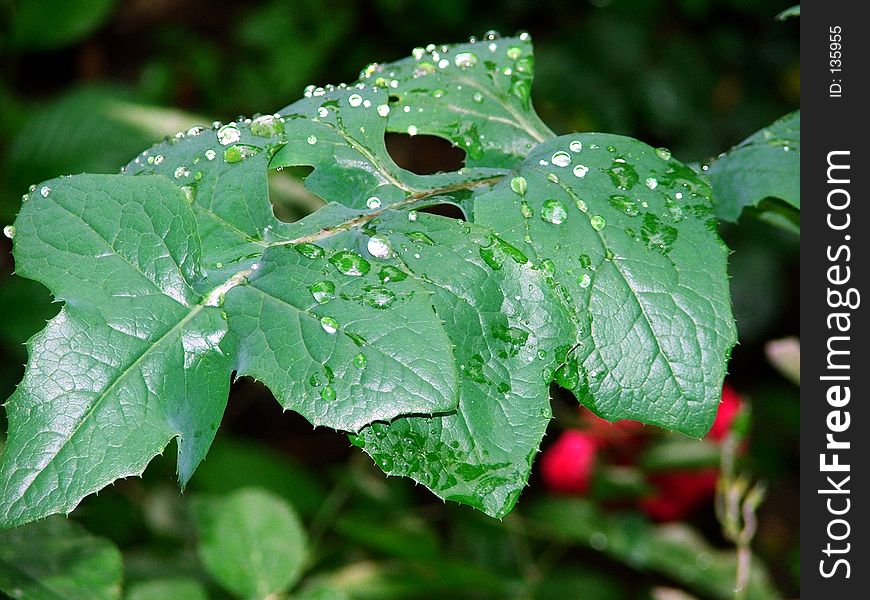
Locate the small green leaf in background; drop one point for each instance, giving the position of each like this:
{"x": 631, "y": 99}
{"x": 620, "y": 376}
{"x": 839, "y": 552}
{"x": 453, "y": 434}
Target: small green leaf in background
{"x": 234, "y": 463}
{"x": 49, "y": 24}
{"x": 321, "y": 592}
{"x": 765, "y": 165}
{"x": 55, "y": 559}
{"x": 251, "y": 542}
{"x": 167, "y": 589}
{"x": 794, "y": 11}
{"x": 675, "y": 550}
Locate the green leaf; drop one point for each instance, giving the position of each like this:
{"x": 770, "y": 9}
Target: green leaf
{"x": 764, "y": 165}
{"x": 475, "y": 95}
{"x": 131, "y": 361}
{"x": 340, "y": 132}
{"x": 228, "y": 197}
{"x": 167, "y": 589}
{"x": 57, "y": 559}
{"x": 506, "y": 324}
{"x": 627, "y": 235}
{"x": 357, "y": 333}
{"x": 445, "y": 333}
{"x": 251, "y": 542}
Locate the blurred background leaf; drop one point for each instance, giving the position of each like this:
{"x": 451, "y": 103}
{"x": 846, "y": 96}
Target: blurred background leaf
{"x": 54, "y": 559}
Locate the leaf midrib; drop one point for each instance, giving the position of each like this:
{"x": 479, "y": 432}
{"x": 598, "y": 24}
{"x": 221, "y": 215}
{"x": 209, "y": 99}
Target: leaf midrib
{"x": 633, "y": 294}
{"x": 111, "y": 388}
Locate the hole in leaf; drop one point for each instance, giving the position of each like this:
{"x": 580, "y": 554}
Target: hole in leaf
{"x": 424, "y": 154}
{"x": 446, "y": 210}
{"x": 290, "y": 199}
{"x": 393, "y": 99}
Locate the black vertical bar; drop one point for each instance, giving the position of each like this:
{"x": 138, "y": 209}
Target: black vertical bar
{"x": 835, "y": 548}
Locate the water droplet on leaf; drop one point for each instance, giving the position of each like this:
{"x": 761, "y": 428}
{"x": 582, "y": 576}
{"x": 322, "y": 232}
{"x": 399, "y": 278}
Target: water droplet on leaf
{"x": 229, "y": 134}
{"x": 553, "y": 211}
{"x": 561, "y": 159}
{"x": 329, "y": 325}
{"x": 323, "y": 291}
{"x": 580, "y": 170}
{"x": 350, "y": 263}
{"x": 597, "y": 222}
{"x": 379, "y": 246}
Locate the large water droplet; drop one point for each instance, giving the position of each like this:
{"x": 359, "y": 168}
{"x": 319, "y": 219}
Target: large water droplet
{"x": 383, "y": 110}
{"x": 514, "y": 52}
{"x": 379, "y": 246}
{"x": 585, "y": 280}
{"x": 9, "y": 231}
{"x": 519, "y": 185}
{"x": 378, "y": 297}
{"x": 360, "y": 361}
{"x": 210, "y": 154}
{"x": 597, "y": 222}
{"x": 548, "y": 267}
{"x": 624, "y": 204}
{"x": 329, "y": 325}
{"x": 553, "y": 211}
{"x": 420, "y": 238}
{"x": 651, "y": 183}
{"x": 354, "y": 100}
{"x": 568, "y": 375}
{"x": 622, "y": 175}
{"x": 561, "y": 159}
{"x": 309, "y": 250}
{"x": 267, "y": 126}
{"x": 373, "y": 202}
{"x": 390, "y": 273}
{"x": 663, "y": 153}
{"x": 580, "y": 170}
{"x": 350, "y": 263}
{"x": 311, "y": 139}
{"x": 526, "y": 210}
{"x": 44, "y": 191}
{"x": 328, "y": 393}
{"x": 323, "y": 291}
{"x": 229, "y": 134}
{"x": 656, "y": 235}
{"x": 181, "y": 172}
{"x": 575, "y": 146}
{"x": 465, "y": 60}
{"x": 238, "y": 153}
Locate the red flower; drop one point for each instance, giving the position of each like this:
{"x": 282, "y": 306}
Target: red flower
{"x": 567, "y": 465}
{"x": 729, "y": 408}
{"x": 679, "y": 493}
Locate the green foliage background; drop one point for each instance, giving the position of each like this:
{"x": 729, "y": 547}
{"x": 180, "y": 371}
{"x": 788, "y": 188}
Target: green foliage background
{"x": 86, "y": 84}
